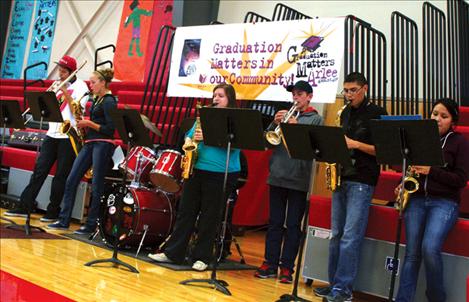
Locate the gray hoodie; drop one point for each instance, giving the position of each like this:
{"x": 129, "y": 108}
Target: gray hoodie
{"x": 291, "y": 173}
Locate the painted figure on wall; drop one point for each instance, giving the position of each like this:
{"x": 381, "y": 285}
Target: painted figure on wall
{"x": 134, "y": 18}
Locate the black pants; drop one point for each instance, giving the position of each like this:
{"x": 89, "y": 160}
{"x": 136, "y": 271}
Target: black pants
{"x": 52, "y": 149}
{"x": 202, "y": 197}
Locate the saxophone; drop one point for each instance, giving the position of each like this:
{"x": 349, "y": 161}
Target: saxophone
{"x": 333, "y": 170}
{"x": 76, "y": 135}
{"x": 190, "y": 149}
{"x": 410, "y": 186}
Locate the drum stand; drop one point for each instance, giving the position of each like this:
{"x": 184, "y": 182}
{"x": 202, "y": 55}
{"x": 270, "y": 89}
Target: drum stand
{"x": 114, "y": 259}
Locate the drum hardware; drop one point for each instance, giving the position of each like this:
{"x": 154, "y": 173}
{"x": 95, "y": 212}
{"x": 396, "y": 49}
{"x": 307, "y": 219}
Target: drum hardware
{"x": 145, "y": 230}
{"x": 137, "y": 164}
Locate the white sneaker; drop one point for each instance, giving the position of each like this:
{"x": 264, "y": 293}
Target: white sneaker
{"x": 160, "y": 257}
{"x": 199, "y": 266}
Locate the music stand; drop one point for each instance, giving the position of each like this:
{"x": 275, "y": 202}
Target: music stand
{"x": 132, "y": 132}
{"x": 411, "y": 142}
{"x": 326, "y": 144}
{"x": 44, "y": 108}
{"x": 10, "y": 117}
{"x": 228, "y": 128}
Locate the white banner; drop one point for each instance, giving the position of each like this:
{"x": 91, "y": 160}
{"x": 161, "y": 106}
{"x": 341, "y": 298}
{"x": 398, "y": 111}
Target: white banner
{"x": 259, "y": 60}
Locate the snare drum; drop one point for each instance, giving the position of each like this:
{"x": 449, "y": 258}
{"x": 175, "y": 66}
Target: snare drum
{"x": 128, "y": 211}
{"x": 166, "y": 173}
{"x": 147, "y": 159}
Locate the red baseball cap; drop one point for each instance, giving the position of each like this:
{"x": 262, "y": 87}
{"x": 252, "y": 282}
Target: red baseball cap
{"x": 68, "y": 62}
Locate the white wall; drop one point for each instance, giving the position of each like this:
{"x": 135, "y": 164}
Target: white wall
{"x": 100, "y": 18}
{"x": 378, "y": 13}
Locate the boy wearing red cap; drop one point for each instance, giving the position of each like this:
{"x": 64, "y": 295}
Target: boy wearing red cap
{"x": 55, "y": 147}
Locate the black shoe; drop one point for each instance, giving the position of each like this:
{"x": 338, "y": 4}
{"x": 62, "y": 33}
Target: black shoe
{"x": 49, "y": 218}
{"x": 17, "y": 212}
{"x": 84, "y": 230}
{"x": 57, "y": 226}
{"x": 322, "y": 291}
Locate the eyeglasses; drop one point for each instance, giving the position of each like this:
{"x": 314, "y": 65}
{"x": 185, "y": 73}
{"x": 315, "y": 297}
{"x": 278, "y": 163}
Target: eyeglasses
{"x": 352, "y": 91}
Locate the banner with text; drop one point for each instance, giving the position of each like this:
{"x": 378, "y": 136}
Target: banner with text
{"x": 260, "y": 60}
{"x": 20, "y": 21}
{"x": 43, "y": 31}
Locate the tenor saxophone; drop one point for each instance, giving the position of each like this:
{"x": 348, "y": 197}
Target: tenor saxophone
{"x": 333, "y": 170}
{"x": 190, "y": 149}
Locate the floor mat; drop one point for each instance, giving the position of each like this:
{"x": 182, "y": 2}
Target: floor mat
{"x": 225, "y": 265}
{"x": 20, "y": 233}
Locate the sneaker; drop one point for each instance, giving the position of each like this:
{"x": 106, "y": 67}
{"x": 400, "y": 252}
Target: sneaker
{"x": 285, "y": 275}
{"x": 57, "y": 226}
{"x": 322, "y": 291}
{"x": 160, "y": 257}
{"x": 84, "y": 230}
{"x": 17, "y": 212}
{"x": 337, "y": 297}
{"x": 199, "y": 266}
{"x": 49, "y": 218}
{"x": 266, "y": 271}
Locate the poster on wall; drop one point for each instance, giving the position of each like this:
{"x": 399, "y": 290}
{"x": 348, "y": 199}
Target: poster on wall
{"x": 20, "y": 21}
{"x": 44, "y": 20}
{"x": 260, "y": 60}
{"x": 131, "y": 45}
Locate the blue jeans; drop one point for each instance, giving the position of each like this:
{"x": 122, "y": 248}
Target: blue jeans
{"x": 281, "y": 244}
{"x": 99, "y": 155}
{"x": 428, "y": 221}
{"x": 350, "y": 205}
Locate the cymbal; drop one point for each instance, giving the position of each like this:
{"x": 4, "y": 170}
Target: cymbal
{"x": 147, "y": 123}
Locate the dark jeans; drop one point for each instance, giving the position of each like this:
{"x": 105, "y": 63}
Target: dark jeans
{"x": 202, "y": 197}
{"x": 99, "y": 155}
{"x": 275, "y": 254}
{"x": 52, "y": 149}
{"x": 428, "y": 221}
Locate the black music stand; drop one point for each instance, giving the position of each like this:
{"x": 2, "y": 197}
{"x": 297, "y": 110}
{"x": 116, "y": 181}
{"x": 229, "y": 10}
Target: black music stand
{"x": 228, "y": 128}
{"x": 308, "y": 142}
{"x": 132, "y": 132}
{"x": 414, "y": 142}
{"x": 44, "y": 108}
{"x": 10, "y": 117}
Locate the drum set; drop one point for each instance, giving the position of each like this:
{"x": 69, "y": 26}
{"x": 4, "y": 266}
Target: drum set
{"x": 142, "y": 213}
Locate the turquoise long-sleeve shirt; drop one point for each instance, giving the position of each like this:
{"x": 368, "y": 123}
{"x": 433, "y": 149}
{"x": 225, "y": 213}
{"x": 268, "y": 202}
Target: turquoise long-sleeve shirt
{"x": 214, "y": 158}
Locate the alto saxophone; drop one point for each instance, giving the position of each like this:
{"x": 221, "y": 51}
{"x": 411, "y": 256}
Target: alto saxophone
{"x": 411, "y": 185}
{"x": 75, "y": 134}
{"x": 333, "y": 170}
{"x": 190, "y": 149}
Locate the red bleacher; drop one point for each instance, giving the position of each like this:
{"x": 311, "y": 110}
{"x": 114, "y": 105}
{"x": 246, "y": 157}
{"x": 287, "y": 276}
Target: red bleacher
{"x": 382, "y": 224}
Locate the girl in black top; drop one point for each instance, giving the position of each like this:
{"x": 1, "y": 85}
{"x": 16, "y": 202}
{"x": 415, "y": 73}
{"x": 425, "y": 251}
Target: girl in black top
{"x": 432, "y": 211}
{"x": 96, "y": 152}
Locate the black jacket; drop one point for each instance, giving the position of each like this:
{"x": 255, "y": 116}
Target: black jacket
{"x": 356, "y": 125}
